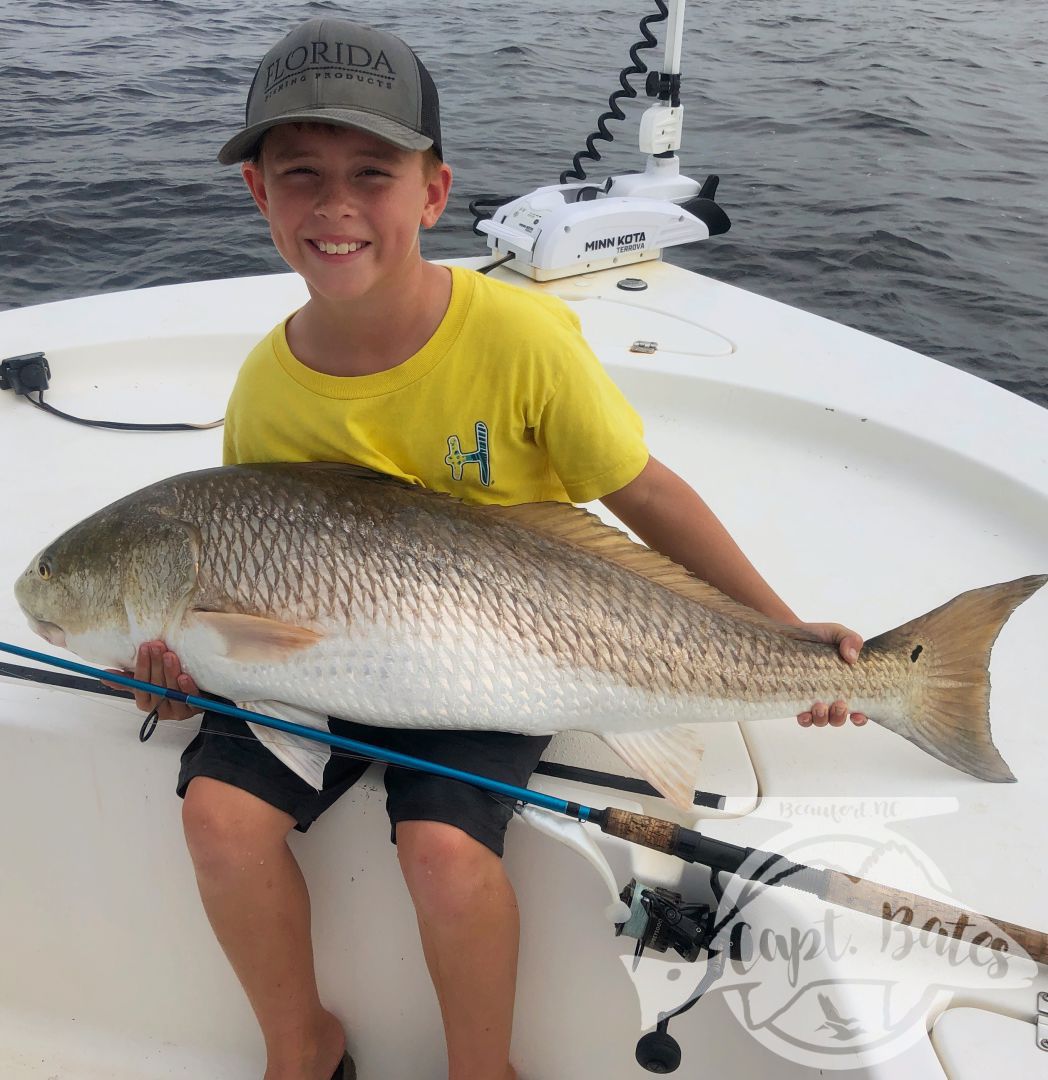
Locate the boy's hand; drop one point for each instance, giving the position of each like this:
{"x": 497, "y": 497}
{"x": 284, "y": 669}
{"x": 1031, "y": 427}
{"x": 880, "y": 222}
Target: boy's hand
{"x": 155, "y": 663}
{"x": 849, "y": 643}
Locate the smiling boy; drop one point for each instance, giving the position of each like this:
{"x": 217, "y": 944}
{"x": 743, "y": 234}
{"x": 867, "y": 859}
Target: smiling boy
{"x": 448, "y": 379}
{"x": 344, "y": 207}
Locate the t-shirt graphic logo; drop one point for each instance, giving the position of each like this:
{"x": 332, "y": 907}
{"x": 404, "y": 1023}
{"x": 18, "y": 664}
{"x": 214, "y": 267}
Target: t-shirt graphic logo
{"x": 458, "y": 460}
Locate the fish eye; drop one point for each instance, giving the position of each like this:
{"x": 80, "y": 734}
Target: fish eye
{"x": 44, "y": 569}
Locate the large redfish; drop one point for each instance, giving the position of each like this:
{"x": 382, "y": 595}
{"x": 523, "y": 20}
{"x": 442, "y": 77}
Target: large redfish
{"x": 335, "y": 590}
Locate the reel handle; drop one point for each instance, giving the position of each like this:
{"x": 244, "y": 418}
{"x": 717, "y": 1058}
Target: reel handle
{"x": 658, "y": 1052}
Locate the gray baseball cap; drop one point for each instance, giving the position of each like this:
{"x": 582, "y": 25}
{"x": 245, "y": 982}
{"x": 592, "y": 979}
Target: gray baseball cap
{"x": 331, "y": 71}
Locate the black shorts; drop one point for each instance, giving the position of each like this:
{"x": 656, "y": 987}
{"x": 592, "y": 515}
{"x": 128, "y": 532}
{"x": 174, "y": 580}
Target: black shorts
{"x": 245, "y": 762}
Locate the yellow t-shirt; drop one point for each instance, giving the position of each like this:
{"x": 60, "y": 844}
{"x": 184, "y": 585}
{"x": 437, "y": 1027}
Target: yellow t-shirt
{"x": 505, "y": 403}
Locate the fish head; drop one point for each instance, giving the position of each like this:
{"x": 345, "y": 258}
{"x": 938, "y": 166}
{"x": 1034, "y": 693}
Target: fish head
{"x": 120, "y": 577}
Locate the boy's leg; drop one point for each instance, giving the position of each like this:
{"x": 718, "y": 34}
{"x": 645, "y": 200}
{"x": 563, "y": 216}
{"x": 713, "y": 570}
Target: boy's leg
{"x": 240, "y": 803}
{"x": 449, "y": 838}
{"x": 257, "y": 903}
{"x": 468, "y": 921}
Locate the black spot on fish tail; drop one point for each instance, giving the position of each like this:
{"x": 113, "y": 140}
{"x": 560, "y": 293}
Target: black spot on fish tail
{"x": 949, "y": 716}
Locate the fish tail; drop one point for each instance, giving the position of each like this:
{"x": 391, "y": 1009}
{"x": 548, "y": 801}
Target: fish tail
{"x": 951, "y": 719}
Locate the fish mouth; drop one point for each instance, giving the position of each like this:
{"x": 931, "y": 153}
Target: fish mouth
{"x": 51, "y": 632}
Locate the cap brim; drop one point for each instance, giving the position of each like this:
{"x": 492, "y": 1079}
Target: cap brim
{"x": 244, "y": 144}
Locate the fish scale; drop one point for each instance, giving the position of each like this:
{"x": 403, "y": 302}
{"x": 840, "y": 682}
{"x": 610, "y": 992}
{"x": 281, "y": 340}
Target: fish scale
{"x": 337, "y": 590}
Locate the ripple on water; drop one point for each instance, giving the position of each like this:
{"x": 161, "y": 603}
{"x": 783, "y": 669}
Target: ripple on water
{"x": 884, "y": 166}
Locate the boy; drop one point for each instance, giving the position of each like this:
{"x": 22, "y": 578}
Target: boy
{"x": 396, "y": 363}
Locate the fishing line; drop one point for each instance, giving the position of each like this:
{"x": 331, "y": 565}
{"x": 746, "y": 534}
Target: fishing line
{"x": 70, "y": 685}
{"x": 555, "y": 769}
{"x": 370, "y": 754}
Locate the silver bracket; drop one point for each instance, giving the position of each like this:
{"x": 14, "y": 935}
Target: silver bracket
{"x": 1042, "y": 1021}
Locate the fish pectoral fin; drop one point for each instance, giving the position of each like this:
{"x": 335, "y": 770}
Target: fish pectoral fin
{"x": 253, "y": 638}
{"x": 668, "y": 758}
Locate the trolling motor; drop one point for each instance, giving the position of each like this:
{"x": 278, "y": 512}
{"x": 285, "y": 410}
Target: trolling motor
{"x": 660, "y": 920}
{"x": 578, "y": 227}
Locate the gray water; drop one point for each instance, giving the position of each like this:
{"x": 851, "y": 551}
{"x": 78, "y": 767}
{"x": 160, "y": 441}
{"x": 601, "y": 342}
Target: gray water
{"x": 884, "y": 165}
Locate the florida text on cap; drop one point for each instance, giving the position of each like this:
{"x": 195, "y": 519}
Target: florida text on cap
{"x": 332, "y": 71}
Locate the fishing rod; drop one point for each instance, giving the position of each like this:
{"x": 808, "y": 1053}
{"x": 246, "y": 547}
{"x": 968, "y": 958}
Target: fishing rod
{"x": 657, "y": 917}
{"x": 657, "y": 834}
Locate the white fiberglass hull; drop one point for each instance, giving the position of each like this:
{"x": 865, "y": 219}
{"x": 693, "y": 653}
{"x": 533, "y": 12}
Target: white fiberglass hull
{"x": 866, "y": 482}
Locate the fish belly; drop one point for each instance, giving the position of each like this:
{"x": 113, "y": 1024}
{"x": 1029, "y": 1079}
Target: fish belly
{"x": 480, "y": 681}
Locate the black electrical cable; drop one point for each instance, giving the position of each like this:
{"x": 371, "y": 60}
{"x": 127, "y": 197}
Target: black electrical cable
{"x": 114, "y": 425}
{"x": 648, "y": 41}
{"x": 497, "y": 262}
{"x": 483, "y": 208}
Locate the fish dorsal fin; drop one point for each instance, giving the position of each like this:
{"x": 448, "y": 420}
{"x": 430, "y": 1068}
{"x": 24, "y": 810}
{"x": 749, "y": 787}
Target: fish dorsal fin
{"x": 668, "y": 758}
{"x": 573, "y": 525}
{"x": 346, "y": 468}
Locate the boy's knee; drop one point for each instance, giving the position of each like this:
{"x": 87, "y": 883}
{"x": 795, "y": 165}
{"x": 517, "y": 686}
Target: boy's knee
{"x": 447, "y": 871}
{"x": 223, "y": 824}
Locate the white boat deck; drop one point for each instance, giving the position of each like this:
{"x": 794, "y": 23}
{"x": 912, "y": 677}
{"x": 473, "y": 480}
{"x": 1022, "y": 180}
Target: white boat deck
{"x": 868, "y": 483}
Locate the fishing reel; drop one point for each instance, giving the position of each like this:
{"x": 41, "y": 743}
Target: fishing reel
{"x": 660, "y": 920}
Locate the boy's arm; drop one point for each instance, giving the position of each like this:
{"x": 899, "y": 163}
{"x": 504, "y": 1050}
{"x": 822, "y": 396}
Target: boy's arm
{"x": 669, "y": 516}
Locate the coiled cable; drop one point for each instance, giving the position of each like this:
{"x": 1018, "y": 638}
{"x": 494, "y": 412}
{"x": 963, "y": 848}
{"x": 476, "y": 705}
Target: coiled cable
{"x": 648, "y": 41}
{"x": 483, "y": 207}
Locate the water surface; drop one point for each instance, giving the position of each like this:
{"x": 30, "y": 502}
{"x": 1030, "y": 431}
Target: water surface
{"x": 884, "y": 165}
